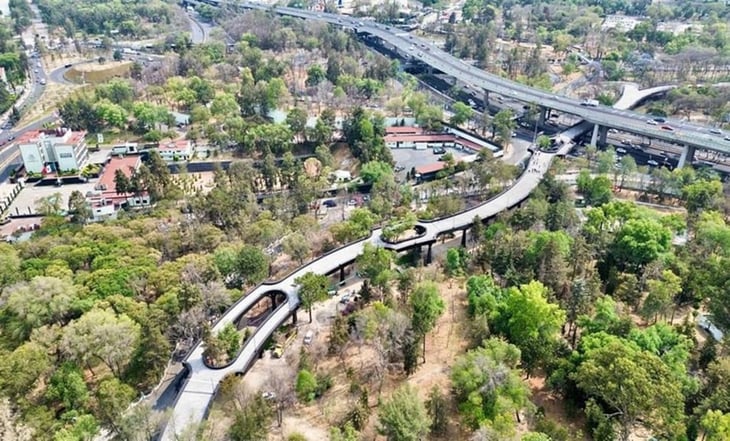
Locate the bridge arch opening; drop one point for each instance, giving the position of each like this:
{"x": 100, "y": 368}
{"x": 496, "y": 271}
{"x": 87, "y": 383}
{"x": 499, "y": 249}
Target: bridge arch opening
{"x": 257, "y": 313}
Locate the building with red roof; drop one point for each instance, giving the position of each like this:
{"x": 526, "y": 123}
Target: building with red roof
{"x": 53, "y": 151}
{"x": 106, "y": 200}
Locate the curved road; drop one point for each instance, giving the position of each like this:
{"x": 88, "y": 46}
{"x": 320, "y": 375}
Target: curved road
{"x": 422, "y": 50}
{"x": 192, "y": 402}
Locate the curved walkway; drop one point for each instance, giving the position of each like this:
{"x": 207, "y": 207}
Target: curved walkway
{"x": 192, "y": 403}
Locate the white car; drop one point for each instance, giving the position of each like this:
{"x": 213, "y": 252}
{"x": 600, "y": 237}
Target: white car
{"x": 652, "y": 163}
{"x": 651, "y": 122}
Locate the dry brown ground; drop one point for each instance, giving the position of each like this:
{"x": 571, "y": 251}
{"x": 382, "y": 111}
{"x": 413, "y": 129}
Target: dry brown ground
{"x": 95, "y": 73}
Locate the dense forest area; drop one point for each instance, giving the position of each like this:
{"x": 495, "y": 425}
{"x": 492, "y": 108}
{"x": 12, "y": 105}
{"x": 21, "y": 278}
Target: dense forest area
{"x": 128, "y": 18}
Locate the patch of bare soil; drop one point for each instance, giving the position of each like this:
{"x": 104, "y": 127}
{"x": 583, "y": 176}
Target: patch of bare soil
{"x": 554, "y": 408}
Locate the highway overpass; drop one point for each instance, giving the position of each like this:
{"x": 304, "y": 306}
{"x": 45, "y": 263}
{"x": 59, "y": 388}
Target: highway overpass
{"x": 689, "y": 136}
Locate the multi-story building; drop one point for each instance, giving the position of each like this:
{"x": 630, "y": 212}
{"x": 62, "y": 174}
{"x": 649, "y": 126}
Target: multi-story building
{"x": 53, "y": 151}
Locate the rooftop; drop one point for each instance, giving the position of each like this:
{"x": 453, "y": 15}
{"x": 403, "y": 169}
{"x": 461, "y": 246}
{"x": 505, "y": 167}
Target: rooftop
{"x": 419, "y": 138}
{"x": 430, "y": 168}
{"x": 56, "y": 136}
{"x": 403, "y": 130}
{"x": 124, "y": 163}
{"x": 180, "y": 145}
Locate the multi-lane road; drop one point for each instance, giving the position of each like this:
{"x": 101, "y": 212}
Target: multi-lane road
{"x": 419, "y": 49}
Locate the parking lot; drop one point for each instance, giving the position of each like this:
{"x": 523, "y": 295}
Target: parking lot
{"x": 25, "y": 203}
{"x": 409, "y": 158}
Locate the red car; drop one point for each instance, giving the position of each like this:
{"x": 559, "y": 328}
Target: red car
{"x": 667, "y": 128}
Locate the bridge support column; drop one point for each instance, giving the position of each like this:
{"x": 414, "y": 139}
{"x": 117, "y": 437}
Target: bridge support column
{"x": 688, "y": 155}
{"x": 603, "y": 135}
{"x": 273, "y": 301}
{"x": 427, "y": 257}
{"x": 463, "y": 238}
{"x": 486, "y": 101}
{"x": 594, "y": 137}
{"x": 342, "y": 274}
{"x": 294, "y": 317}
{"x": 542, "y": 116}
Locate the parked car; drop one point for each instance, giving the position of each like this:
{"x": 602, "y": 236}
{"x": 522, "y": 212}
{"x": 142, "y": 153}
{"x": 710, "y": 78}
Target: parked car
{"x": 621, "y": 151}
{"x": 439, "y": 150}
{"x": 329, "y": 203}
{"x": 652, "y": 163}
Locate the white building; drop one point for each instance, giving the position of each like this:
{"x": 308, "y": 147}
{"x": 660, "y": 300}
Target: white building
{"x": 180, "y": 150}
{"x": 53, "y": 151}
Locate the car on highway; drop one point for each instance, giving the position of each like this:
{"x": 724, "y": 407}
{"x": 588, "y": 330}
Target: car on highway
{"x": 667, "y": 128}
{"x": 660, "y": 120}
{"x": 727, "y": 138}
{"x": 716, "y": 131}
{"x": 651, "y": 122}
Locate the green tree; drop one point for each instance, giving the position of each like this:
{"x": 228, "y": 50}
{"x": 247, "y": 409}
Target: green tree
{"x": 252, "y": 265}
{"x": 42, "y": 301}
{"x": 375, "y": 264}
{"x": 532, "y": 323}
{"x": 633, "y": 385}
{"x": 100, "y": 334}
{"x": 312, "y": 289}
{"x": 702, "y": 195}
{"x": 296, "y": 119}
{"x": 487, "y": 384}
{"x": 375, "y": 171}
{"x": 403, "y": 417}
{"x": 315, "y": 75}
{"x": 627, "y": 167}
{"x": 716, "y": 426}
{"x": 79, "y": 208}
{"x": 597, "y": 191}
{"x": 638, "y": 242}
{"x": 121, "y": 182}
{"x": 112, "y": 399}
{"x": 543, "y": 142}
{"x": 427, "y": 306}
{"x": 503, "y": 125}
{"x": 67, "y": 387}
{"x": 462, "y": 113}
{"x": 438, "y": 410}
{"x": 661, "y": 294}
{"x": 306, "y": 385}
{"x": 297, "y": 246}
{"x": 252, "y": 421}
